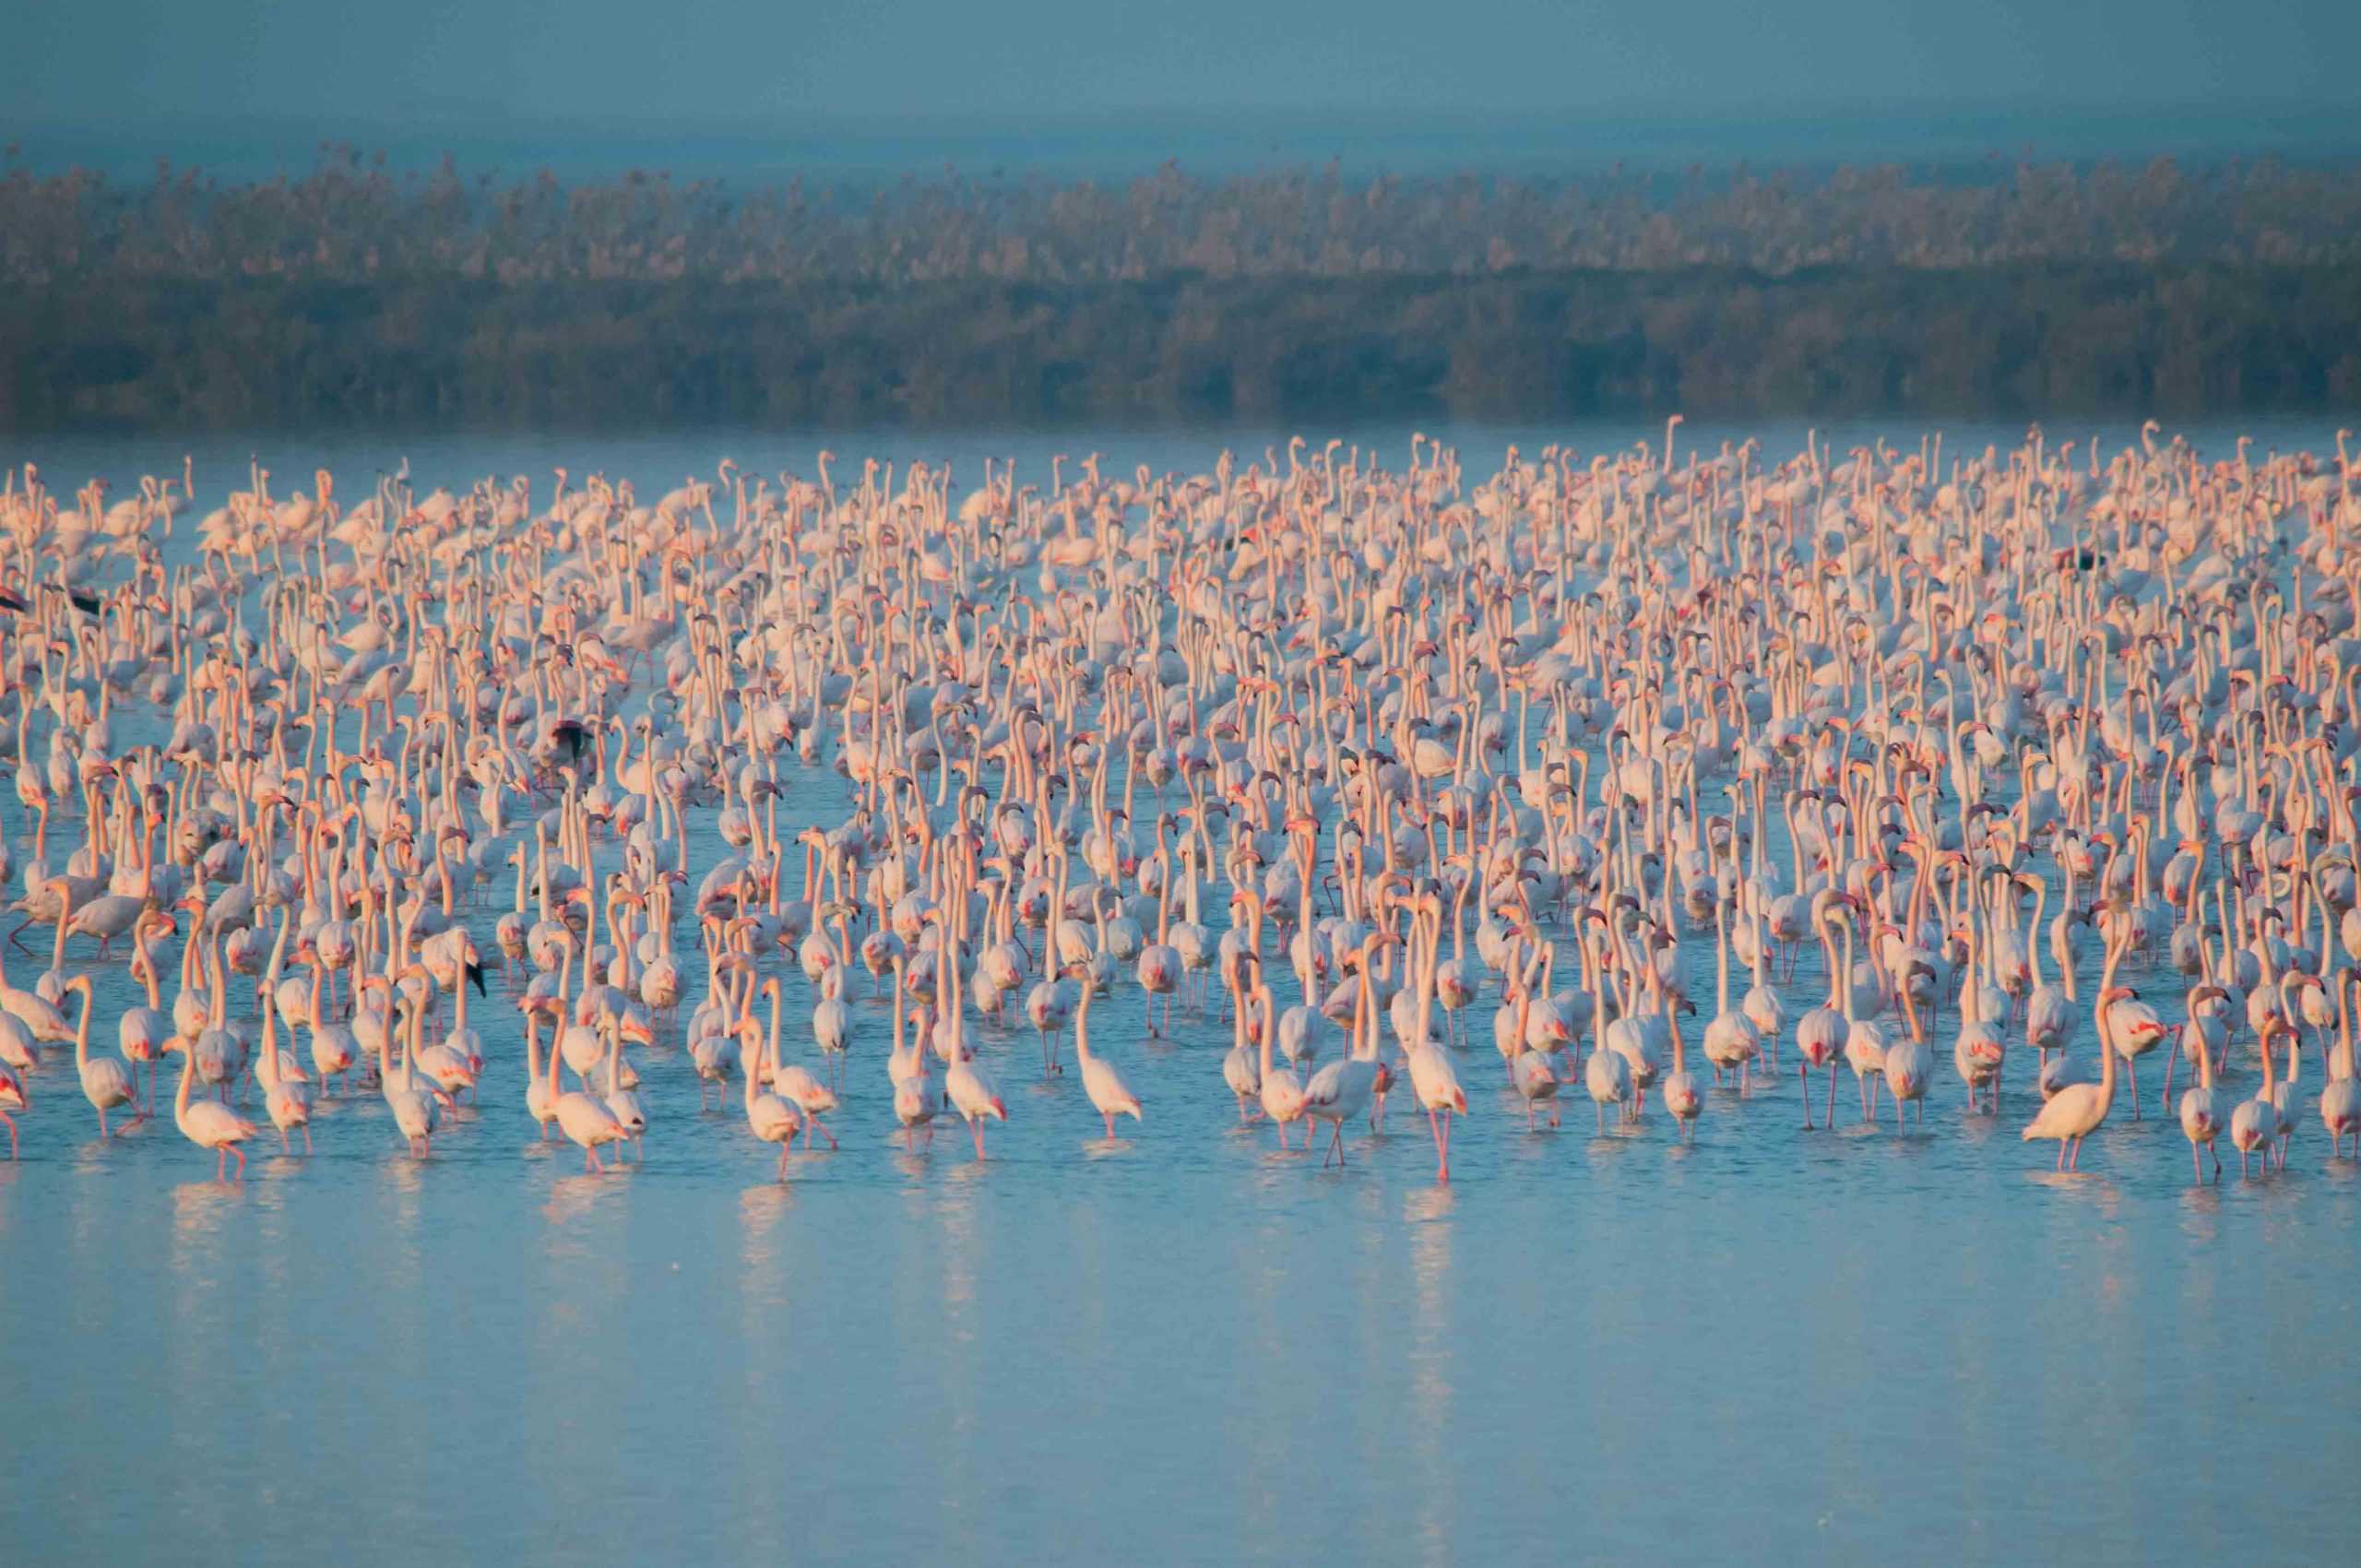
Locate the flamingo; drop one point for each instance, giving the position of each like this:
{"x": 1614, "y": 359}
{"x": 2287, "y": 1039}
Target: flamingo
{"x": 795, "y": 1085}
{"x": 972, "y": 1092}
{"x": 2254, "y": 1124}
{"x": 1733, "y": 1039}
{"x": 918, "y": 1098}
{"x": 1242, "y": 1069}
{"x": 1331, "y": 662}
{"x": 540, "y": 1094}
{"x": 1909, "y": 1064}
{"x": 1820, "y": 1034}
{"x": 2201, "y": 1118}
{"x": 14, "y": 1099}
{"x": 587, "y": 1121}
{"x": 2077, "y": 1110}
{"x": 1433, "y": 1078}
{"x": 1282, "y": 1090}
{"x": 105, "y": 1082}
{"x": 1100, "y": 1081}
{"x": 2340, "y": 1100}
{"x": 1342, "y": 1089}
{"x": 415, "y": 1110}
{"x": 209, "y": 1123}
{"x": 769, "y": 1116}
{"x": 287, "y": 1099}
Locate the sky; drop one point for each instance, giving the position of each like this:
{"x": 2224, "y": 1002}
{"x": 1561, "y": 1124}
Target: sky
{"x": 922, "y": 74}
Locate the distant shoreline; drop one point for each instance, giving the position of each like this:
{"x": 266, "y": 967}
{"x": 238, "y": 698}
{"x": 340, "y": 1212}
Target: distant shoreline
{"x": 357, "y": 294}
{"x": 2044, "y": 340}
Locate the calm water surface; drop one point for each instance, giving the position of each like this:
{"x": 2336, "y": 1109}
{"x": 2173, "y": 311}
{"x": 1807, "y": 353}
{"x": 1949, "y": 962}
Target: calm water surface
{"x": 1180, "y": 1346}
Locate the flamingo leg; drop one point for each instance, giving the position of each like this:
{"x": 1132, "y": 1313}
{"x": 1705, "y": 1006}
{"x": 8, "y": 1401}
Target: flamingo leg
{"x": 1803, "y": 1077}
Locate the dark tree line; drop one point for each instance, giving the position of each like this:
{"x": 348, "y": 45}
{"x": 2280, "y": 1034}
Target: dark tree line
{"x": 355, "y": 294}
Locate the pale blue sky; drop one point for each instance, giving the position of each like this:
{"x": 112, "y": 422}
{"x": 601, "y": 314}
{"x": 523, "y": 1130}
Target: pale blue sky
{"x": 251, "y": 84}
{"x": 634, "y": 62}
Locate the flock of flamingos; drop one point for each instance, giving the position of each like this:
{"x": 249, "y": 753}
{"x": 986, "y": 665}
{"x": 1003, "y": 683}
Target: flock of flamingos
{"x": 2028, "y": 768}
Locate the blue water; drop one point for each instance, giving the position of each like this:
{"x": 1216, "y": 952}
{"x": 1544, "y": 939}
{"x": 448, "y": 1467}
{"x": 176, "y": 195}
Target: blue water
{"x": 1967, "y": 139}
{"x": 667, "y": 457}
{"x": 1180, "y": 1346}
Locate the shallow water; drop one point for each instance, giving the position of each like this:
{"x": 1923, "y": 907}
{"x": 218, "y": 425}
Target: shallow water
{"x": 1178, "y": 1346}
{"x": 662, "y": 457}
